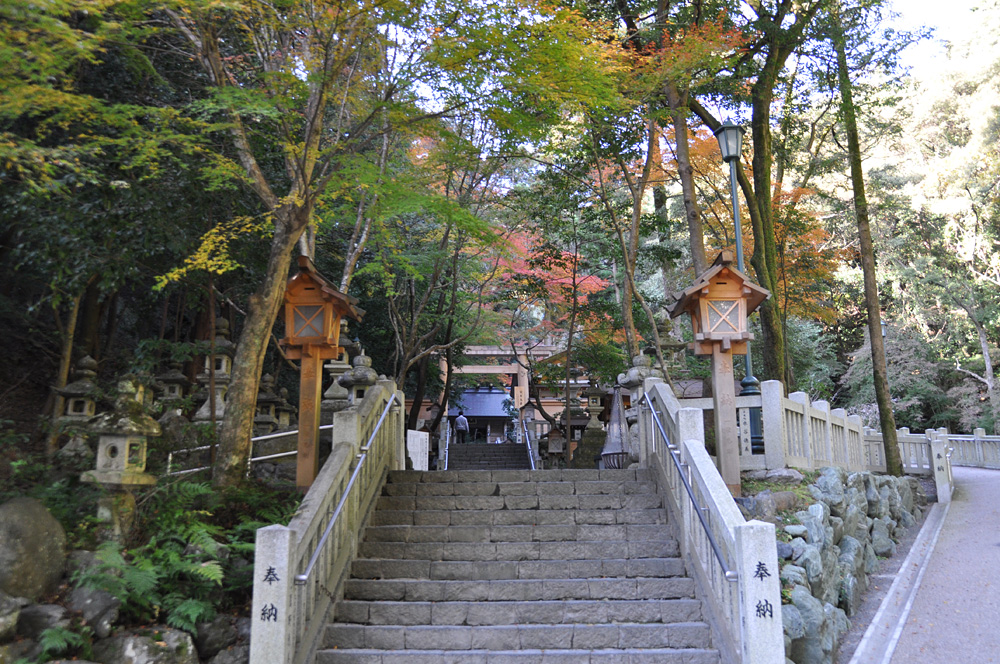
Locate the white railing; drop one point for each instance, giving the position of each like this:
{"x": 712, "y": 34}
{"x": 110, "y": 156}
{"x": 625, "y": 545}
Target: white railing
{"x": 734, "y": 561}
{"x": 298, "y": 569}
{"x": 290, "y": 433}
{"x": 977, "y": 450}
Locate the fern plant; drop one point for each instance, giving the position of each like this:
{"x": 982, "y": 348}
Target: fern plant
{"x": 64, "y": 642}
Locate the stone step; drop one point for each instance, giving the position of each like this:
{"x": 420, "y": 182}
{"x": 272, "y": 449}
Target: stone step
{"x": 514, "y": 551}
{"x": 511, "y": 637}
{"x": 452, "y": 570}
{"x": 490, "y": 488}
{"x": 527, "y": 656}
{"x": 519, "y": 590}
{"x": 517, "y": 517}
{"x": 523, "y": 533}
{"x": 519, "y": 613}
{"x": 557, "y": 475}
{"x": 521, "y": 502}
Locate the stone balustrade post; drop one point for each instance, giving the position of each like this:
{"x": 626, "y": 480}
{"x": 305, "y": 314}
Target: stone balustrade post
{"x": 978, "y": 435}
{"x": 827, "y": 443}
{"x": 772, "y": 411}
{"x": 646, "y": 433}
{"x": 272, "y": 634}
{"x": 808, "y": 445}
{"x": 762, "y": 637}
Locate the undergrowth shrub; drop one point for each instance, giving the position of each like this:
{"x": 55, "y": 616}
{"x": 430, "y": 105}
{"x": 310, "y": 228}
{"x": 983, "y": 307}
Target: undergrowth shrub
{"x": 190, "y": 553}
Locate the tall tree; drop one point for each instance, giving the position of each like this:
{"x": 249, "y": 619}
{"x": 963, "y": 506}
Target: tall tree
{"x": 305, "y": 88}
{"x": 894, "y": 464}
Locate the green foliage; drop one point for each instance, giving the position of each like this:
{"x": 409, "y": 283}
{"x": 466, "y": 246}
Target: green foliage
{"x": 187, "y": 558}
{"x": 63, "y": 642}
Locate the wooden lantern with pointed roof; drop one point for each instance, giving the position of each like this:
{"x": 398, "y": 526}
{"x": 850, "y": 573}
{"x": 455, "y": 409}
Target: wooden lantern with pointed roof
{"x": 719, "y": 302}
{"x": 314, "y": 310}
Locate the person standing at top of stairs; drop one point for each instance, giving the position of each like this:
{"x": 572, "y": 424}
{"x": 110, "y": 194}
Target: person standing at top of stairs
{"x": 461, "y": 427}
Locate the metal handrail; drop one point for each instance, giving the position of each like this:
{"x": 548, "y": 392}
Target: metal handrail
{"x": 447, "y": 442}
{"x": 730, "y": 574}
{"x": 301, "y": 579}
{"x": 527, "y": 443}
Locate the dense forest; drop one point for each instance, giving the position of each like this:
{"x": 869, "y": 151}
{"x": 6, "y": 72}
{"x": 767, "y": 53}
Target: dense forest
{"x": 494, "y": 173}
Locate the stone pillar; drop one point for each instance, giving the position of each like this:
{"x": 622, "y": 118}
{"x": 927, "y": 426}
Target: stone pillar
{"x": 761, "y": 634}
{"x": 272, "y": 640}
{"x": 773, "y": 413}
{"x": 942, "y": 468}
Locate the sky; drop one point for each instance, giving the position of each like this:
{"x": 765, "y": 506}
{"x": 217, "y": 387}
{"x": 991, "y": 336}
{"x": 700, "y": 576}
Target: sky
{"x": 949, "y": 18}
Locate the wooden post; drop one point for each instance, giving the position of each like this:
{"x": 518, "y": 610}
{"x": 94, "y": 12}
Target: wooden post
{"x": 727, "y": 445}
{"x": 310, "y": 394}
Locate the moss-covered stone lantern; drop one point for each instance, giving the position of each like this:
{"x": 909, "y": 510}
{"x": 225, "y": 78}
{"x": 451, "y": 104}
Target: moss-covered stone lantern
{"x": 80, "y": 395}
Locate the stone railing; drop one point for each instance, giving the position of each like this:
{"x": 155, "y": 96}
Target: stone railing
{"x": 808, "y": 434}
{"x": 734, "y": 561}
{"x": 298, "y": 569}
{"x": 977, "y": 450}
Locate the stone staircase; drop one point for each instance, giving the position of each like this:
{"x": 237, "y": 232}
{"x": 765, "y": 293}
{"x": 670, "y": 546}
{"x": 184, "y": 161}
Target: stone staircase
{"x": 480, "y": 456}
{"x": 474, "y": 567}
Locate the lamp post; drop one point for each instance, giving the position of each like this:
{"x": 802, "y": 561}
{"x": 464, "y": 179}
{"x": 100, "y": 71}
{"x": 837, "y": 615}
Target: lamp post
{"x": 730, "y": 138}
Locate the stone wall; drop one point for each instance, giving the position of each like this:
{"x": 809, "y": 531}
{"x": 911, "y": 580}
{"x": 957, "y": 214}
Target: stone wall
{"x": 835, "y": 547}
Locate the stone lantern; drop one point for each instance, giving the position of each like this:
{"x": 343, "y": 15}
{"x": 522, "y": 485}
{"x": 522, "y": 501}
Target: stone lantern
{"x": 284, "y": 411}
{"x": 224, "y": 352}
{"x": 172, "y": 384}
{"x": 719, "y": 302}
{"x": 592, "y": 440}
{"x": 81, "y": 394}
{"x": 313, "y": 312}
{"x": 359, "y": 378}
{"x": 266, "y": 421}
{"x": 121, "y": 457}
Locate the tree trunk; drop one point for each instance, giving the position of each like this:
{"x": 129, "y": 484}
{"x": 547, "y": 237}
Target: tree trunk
{"x": 65, "y": 361}
{"x": 765, "y": 256}
{"x": 894, "y": 465}
{"x": 241, "y": 401}
{"x": 678, "y": 114}
{"x": 89, "y": 337}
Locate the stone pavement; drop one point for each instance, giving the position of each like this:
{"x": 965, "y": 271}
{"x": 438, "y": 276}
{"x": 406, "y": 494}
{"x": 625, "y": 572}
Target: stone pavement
{"x": 944, "y": 607}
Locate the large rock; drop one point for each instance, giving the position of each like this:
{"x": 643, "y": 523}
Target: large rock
{"x": 794, "y": 575}
{"x": 10, "y": 611}
{"x": 811, "y": 561}
{"x": 881, "y": 541}
{"x": 808, "y": 649}
{"x": 32, "y": 549}
{"x": 791, "y": 621}
{"x": 815, "y": 529}
{"x": 852, "y": 552}
{"x": 36, "y": 618}
{"x": 148, "y": 646}
{"x": 215, "y": 636}
{"x": 235, "y": 655}
{"x": 829, "y": 488}
{"x": 98, "y": 608}
{"x": 788, "y": 476}
{"x": 850, "y": 590}
{"x": 853, "y": 518}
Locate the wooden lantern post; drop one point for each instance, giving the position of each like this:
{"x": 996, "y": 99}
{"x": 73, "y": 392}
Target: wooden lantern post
{"x": 719, "y": 302}
{"x": 313, "y": 311}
